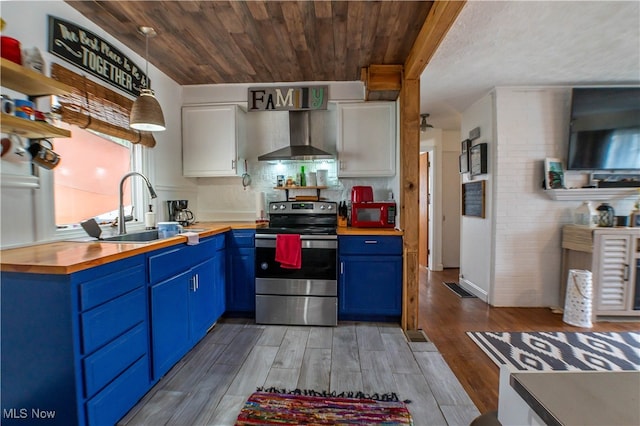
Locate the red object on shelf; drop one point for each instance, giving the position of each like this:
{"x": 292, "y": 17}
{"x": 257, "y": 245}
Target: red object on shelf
{"x": 10, "y": 49}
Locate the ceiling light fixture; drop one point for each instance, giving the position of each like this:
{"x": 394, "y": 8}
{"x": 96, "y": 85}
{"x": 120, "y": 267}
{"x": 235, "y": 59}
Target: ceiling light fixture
{"x": 146, "y": 113}
{"x": 423, "y": 124}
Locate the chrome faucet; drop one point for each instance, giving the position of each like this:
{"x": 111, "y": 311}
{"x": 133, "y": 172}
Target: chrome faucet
{"x": 121, "y": 226}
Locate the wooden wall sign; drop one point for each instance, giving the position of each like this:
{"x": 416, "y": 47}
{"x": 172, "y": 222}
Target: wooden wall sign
{"x": 473, "y": 198}
{"x": 89, "y": 52}
{"x": 288, "y": 98}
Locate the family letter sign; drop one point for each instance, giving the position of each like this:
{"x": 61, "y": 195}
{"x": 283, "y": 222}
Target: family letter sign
{"x": 288, "y": 98}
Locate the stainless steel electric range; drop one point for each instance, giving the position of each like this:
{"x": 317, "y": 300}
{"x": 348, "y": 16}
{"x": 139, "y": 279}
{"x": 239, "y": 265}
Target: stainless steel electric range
{"x": 305, "y": 296}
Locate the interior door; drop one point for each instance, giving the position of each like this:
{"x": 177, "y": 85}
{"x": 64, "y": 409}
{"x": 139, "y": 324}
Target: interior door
{"x": 423, "y": 226}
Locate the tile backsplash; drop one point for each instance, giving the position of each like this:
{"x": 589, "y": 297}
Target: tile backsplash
{"x": 224, "y": 198}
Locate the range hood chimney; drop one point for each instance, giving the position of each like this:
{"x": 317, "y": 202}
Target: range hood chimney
{"x": 299, "y": 142}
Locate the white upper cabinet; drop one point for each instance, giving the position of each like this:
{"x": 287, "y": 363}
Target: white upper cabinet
{"x": 366, "y": 140}
{"x": 210, "y": 138}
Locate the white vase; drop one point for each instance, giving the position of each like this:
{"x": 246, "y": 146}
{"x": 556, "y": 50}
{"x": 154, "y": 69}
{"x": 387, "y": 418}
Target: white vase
{"x": 586, "y": 215}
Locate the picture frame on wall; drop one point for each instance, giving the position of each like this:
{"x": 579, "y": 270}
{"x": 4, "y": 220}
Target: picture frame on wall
{"x": 553, "y": 173}
{"x": 478, "y": 159}
{"x": 463, "y": 163}
{"x": 465, "y": 146}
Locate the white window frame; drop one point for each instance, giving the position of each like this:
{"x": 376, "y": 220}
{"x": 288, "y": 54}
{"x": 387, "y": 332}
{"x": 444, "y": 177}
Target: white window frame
{"x": 44, "y": 202}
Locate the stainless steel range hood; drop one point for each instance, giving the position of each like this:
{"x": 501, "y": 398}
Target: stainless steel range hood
{"x": 300, "y": 147}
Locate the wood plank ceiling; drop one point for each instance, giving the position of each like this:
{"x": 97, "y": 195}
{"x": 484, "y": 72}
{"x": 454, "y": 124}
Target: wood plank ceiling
{"x": 213, "y": 42}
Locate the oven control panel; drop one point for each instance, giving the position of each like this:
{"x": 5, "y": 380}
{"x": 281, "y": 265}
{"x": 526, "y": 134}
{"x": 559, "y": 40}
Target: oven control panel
{"x": 306, "y": 207}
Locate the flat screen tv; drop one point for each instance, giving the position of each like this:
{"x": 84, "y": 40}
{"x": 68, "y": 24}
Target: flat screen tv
{"x": 604, "y": 129}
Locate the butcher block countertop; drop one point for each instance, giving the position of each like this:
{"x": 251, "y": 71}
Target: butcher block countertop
{"x": 66, "y": 257}
{"x": 342, "y": 230}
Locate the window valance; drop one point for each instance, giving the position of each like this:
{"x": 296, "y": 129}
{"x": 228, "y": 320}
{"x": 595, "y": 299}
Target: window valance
{"x": 95, "y": 107}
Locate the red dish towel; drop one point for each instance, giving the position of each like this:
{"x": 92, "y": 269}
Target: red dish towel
{"x": 289, "y": 251}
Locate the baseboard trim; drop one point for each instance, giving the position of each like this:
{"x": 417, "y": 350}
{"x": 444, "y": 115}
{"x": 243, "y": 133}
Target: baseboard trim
{"x": 474, "y": 289}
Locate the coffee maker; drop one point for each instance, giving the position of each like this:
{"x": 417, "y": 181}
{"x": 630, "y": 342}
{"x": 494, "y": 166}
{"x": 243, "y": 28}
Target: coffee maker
{"x": 179, "y": 212}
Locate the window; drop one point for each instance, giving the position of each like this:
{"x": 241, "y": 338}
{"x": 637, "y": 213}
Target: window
{"x": 86, "y": 182}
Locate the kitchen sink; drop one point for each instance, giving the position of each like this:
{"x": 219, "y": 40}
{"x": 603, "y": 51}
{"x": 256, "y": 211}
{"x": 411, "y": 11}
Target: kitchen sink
{"x": 135, "y": 237}
{"x": 147, "y": 236}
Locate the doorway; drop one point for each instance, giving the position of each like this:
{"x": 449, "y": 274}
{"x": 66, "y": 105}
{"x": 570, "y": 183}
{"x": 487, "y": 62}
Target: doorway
{"x": 423, "y": 226}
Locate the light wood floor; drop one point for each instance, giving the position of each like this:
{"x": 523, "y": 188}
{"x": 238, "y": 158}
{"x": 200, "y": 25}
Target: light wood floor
{"x": 210, "y": 385}
{"x": 445, "y": 318}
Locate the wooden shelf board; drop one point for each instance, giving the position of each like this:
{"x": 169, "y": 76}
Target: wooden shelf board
{"x": 29, "y": 82}
{"x": 590, "y": 194}
{"x": 299, "y": 187}
{"x": 31, "y": 129}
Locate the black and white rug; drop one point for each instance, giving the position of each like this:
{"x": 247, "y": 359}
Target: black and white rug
{"x": 579, "y": 351}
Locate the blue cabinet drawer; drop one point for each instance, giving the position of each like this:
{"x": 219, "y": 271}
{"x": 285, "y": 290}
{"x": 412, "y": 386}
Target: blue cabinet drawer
{"x": 103, "y": 366}
{"x": 115, "y": 400}
{"x": 241, "y": 238}
{"x": 369, "y": 244}
{"x": 106, "y": 322}
{"x": 103, "y": 289}
{"x": 171, "y": 262}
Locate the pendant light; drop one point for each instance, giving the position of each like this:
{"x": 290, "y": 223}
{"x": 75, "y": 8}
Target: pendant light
{"x": 146, "y": 113}
{"x": 423, "y": 124}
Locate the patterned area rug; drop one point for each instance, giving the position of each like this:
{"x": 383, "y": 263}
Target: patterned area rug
{"x": 266, "y": 408}
{"x": 606, "y": 351}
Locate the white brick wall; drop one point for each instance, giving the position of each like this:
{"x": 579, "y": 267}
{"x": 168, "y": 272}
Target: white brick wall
{"x": 531, "y": 125}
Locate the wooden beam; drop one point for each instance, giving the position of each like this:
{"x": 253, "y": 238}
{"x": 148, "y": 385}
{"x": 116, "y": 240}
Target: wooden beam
{"x": 440, "y": 18}
{"x": 382, "y": 82}
{"x": 409, "y": 192}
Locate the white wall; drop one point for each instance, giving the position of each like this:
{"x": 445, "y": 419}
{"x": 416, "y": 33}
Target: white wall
{"x": 477, "y": 234}
{"x": 531, "y": 124}
{"x": 21, "y": 222}
{"x": 513, "y": 257}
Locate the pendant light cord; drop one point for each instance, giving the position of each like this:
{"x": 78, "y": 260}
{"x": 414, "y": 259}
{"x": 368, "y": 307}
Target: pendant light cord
{"x": 146, "y": 57}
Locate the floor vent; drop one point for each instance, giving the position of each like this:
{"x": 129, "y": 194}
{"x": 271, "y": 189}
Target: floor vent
{"x": 416, "y": 336}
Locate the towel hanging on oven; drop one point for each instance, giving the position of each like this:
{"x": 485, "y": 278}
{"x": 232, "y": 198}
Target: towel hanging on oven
{"x": 289, "y": 251}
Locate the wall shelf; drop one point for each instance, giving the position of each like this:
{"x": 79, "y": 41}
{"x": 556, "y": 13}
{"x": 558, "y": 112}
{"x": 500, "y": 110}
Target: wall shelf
{"x": 31, "y": 129}
{"x": 590, "y": 194}
{"x": 32, "y": 84}
{"x": 288, "y": 188}
{"x": 29, "y": 82}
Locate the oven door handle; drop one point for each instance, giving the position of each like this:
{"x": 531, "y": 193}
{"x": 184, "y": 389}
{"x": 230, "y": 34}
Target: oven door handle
{"x": 306, "y": 244}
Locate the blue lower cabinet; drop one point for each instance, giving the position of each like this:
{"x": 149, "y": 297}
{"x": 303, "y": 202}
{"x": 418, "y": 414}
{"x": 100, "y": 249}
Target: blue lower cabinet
{"x": 185, "y": 305}
{"x": 170, "y": 321}
{"x": 241, "y": 276}
{"x": 116, "y": 399}
{"x": 207, "y": 295}
{"x": 75, "y": 348}
{"x": 370, "y": 281}
{"x": 61, "y": 362}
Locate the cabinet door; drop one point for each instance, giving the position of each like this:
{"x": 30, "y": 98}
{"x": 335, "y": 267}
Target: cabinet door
{"x": 366, "y": 139}
{"x": 170, "y": 322}
{"x": 370, "y": 285}
{"x": 209, "y": 144}
{"x": 613, "y": 272}
{"x": 241, "y": 286}
{"x": 202, "y": 297}
{"x": 220, "y": 304}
